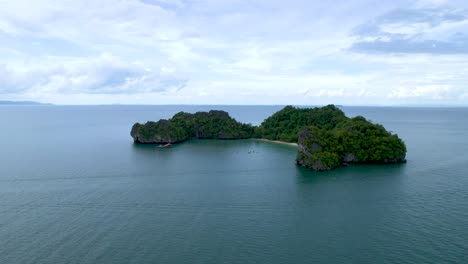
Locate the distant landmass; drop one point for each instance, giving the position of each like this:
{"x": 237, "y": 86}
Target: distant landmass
{"x": 21, "y": 103}
{"x": 325, "y": 137}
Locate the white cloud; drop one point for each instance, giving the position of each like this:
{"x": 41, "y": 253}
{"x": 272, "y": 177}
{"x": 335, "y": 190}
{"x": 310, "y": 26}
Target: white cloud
{"x": 405, "y": 29}
{"x": 232, "y": 51}
{"x": 447, "y": 31}
{"x": 434, "y": 92}
{"x": 103, "y": 75}
{"x": 430, "y": 3}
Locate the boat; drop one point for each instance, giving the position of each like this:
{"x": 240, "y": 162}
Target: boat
{"x": 166, "y": 145}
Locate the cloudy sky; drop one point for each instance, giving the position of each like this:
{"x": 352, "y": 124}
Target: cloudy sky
{"x": 347, "y": 52}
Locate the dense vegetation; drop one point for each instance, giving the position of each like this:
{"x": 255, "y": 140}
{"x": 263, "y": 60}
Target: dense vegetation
{"x": 183, "y": 126}
{"x": 326, "y": 137}
{"x": 163, "y": 131}
{"x": 285, "y": 124}
{"x": 352, "y": 140}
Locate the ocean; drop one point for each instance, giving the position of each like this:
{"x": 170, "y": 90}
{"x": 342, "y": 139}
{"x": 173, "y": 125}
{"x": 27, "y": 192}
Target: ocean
{"x": 74, "y": 188}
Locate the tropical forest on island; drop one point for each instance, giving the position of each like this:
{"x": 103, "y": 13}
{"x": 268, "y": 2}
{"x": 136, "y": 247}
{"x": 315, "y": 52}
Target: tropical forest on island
{"x": 325, "y": 136}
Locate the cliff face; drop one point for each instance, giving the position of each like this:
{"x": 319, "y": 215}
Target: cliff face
{"x": 311, "y": 153}
{"x": 354, "y": 141}
{"x": 160, "y": 132}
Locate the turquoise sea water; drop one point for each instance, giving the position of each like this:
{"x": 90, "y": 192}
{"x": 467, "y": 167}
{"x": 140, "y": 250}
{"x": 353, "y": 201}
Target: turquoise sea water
{"x": 75, "y": 189}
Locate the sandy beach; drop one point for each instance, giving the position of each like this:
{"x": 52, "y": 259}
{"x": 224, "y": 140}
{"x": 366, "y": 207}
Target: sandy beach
{"x": 277, "y": 142}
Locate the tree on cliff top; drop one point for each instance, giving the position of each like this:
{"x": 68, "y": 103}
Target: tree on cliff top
{"x": 286, "y": 123}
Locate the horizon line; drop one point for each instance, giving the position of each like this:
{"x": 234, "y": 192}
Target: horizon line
{"x": 35, "y": 103}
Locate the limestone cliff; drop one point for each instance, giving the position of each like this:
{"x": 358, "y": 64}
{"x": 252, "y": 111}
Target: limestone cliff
{"x": 326, "y": 138}
{"x": 355, "y": 141}
{"x": 160, "y": 132}
{"x": 184, "y": 126}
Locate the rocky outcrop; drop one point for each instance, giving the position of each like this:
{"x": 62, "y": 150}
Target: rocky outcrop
{"x": 349, "y": 157}
{"x": 355, "y": 141}
{"x": 184, "y": 126}
{"x": 160, "y": 132}
{"x": 310, "y": 152}
{"x": 326, "y": 138}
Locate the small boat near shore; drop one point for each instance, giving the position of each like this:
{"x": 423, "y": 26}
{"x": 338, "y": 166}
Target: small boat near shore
{"x": 166, "y": 145}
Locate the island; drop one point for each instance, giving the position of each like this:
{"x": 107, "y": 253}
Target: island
{"x": 183, "y": 126}
{"x": 326, "y": 138}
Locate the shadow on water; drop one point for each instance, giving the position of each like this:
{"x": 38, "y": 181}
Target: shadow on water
{"x": 352, "y": 172}
{"x": 150, "y": 147}
{"x": 145, "y": 154}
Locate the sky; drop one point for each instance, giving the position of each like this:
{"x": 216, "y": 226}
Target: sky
{"x": 301, "y": 52}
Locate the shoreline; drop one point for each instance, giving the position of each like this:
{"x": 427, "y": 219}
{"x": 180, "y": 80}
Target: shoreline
{"x": 277, "y": 142}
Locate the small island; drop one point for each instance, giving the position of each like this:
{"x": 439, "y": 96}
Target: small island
{"x": 325, "y": 137}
